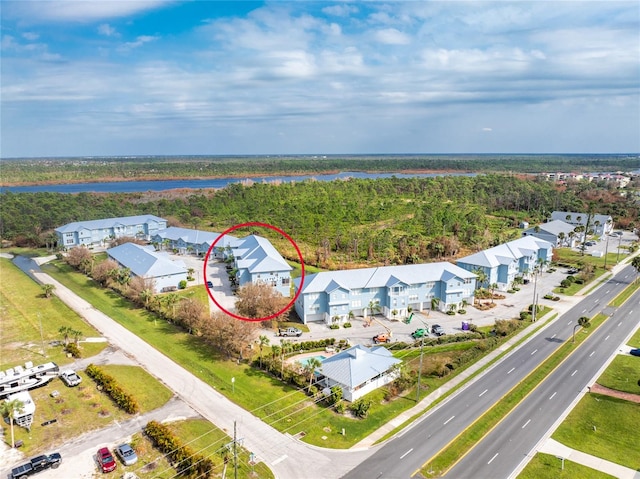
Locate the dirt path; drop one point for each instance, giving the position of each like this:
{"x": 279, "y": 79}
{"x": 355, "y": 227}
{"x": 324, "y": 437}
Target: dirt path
{"x": 597, "y": 388}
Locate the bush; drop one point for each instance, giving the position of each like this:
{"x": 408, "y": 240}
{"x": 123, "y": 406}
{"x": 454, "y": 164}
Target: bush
{"x": 182, "y": 284}
{"x": 360, "y": 408}
{"x": 72, "y": 349}
{"x": 334, "y": 326}
{"x": 346, "y": 325}
{"x": 462, "y": 311}
{"x": 556, "y": 298}
{"x": 571, "y": 278}
{"x": 115, "y": 392}
{"x": 565, "y": 283}
{"x": 525, "y": 315}
{"x": 340, "y": 407}
{"x": 548, "y": 296}
{"x": 451, "y": 313}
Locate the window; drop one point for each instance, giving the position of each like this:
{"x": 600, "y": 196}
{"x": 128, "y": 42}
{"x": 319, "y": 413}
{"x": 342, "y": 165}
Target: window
{"x": 286, "y": 281}
{"x": 356, "y": 304}
{"x": 413, "y": 297}
{"x": 356, "y": 292}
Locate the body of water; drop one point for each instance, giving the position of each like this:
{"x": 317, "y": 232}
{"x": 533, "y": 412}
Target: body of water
{"x": 163, "y": 185}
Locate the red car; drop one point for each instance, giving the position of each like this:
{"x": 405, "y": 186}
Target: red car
{"x": 106, "y": 460}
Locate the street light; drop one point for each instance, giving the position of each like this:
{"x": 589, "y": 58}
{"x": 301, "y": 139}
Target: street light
{"x": 421, "y": 353}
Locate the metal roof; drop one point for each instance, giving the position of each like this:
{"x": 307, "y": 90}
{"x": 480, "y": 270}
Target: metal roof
{"x": 358, "y": 364}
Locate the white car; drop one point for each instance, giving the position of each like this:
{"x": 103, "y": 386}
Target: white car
{"x": 70, "y": 378}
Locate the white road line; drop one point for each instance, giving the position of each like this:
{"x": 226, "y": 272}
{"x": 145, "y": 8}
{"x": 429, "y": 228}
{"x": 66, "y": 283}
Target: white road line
{"x": 553, "y": 336}
{"x": 606, "y": 338}
{"x": 551, "y": 397}
{"x": 483, "y": 392}
{"x": 406, "y": 453}
{"x": 510, "y": 371}
{"x": 572, "y": 321}
{"x": 534, "y": 352}
{"x": 607, "y": 291}
{"x": 493, "y": 458}
{"x": 584, "y": 311}
{"x": 525, "y": 424}
{"x": 279, "y": 460}
{"x": 592, "y": 353}
{"x": 596, "y": 300}
{"x": 574, "y": 372}
{"x": 620, "y": 324}
{"x": 449, "y": 419}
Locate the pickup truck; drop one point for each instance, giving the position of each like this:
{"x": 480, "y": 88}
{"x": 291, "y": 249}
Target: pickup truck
{"x": 36, "y": 464}
{"x": 289, "y": 332}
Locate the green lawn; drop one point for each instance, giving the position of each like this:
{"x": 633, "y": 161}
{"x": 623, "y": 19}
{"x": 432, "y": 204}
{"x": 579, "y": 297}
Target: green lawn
{"x": 605, "y": 427}
{"x": 548, "y": 466}
{"x": 575, "y": 287}
{"x": 622, "y": 374}
{"x": 626, "y": 294}
{"x": 148, "y": 391}
{"x": 30, "y": 321}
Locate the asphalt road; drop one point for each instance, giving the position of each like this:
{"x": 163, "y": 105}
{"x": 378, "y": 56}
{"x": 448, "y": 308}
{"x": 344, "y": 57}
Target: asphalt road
{"x": 403, "y": 456}
{"x": 509, "y": 444}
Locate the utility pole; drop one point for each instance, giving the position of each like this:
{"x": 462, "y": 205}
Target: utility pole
{"x": 44, "y": 352}
{"x": 420, "y": 369}
{"x": 618, "y": 255}
{"x": 235, "y": 452}
{"x": 535, "y": 284}
{"x": 606, "y": 251}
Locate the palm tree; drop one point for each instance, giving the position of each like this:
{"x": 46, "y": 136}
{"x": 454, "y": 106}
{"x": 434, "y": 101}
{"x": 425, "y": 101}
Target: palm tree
{"x": 561, "y": 238}
{"x": 374, "y": 307}
{"x": 493, "y": 287}
{"x": 9, "y": 409}
{"x": 434, "y": 303}
{"x": 146, "y": 295}
{"x": 66, "y": 332}
{"x": 311, "y": 366}
{"x": 584, "y": 322}
{"x": 635, "y": 262}
{"x": 262, "y": 342}
{"x": 48, "y": 290}
{"x": 481, "y": 274}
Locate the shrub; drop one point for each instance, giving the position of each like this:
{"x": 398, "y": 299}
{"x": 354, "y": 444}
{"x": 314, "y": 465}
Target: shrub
{"x": 462, "y": 311}
{"x": 548, "y": 296}
{"x": 72, "y": 349}
{"x": 334, "y": 326}
{"x": 565, "y": 283}
{"x": 451, "y": 313}
{"x": 346, "y": 325}
{"x": 340, "y": 407}
{"x": 360, "y": 408}
{"x": 571, "y": 278}
{"x": 556, "y": 298}
{"x": 525, "y": 315}
{"x": 115, "y": 392}
{"x": 182, "y": 284}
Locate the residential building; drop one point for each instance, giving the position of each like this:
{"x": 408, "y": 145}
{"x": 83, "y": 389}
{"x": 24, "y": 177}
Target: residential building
{"x": 257, "y": 261}
{"x": 145, "y": 262}
{"x": 556, "y": 232}
{"x": 98, "y": 233}
{"x": 185, "y": 240}
{"x": 503, "y": 263}
{"x": 390, "y": 289}
{"x": 599, "y": 224}
{"x": 359, "y": 370}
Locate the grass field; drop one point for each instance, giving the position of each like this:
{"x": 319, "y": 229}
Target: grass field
{"x": 623, "y": 374}
{"x": 548, "y": 466}
{"x": 604, "y": 427}
{"x": 30, "y": 321}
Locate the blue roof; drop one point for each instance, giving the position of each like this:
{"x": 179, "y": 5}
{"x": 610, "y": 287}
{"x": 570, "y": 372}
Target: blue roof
{"x": 382, "y": 276}
{"x": 507, "y": 253}
{"x": 191, "y": 236}
{"x": 358, "y": 364}
{"x": 144, "y": 261}
{"x": 257, "y": 255}
{"x": 109, "y": 223}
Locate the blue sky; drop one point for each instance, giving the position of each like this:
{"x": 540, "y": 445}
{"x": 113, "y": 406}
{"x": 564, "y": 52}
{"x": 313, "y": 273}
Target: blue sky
{"x": 156, "y": 77}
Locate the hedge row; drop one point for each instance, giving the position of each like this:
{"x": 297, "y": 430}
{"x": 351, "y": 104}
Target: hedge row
{"x": 123, "y": 399}
{"x": 183, "y": 458}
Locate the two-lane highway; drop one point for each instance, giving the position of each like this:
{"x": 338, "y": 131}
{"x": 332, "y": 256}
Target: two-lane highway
{"x": 402, "y": 456}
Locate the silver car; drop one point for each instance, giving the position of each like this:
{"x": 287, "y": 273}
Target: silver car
{"x": 126, "y": 454}
{"x": 70, "y": 378}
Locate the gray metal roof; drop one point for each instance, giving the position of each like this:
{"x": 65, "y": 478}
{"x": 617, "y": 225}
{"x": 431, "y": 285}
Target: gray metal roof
{"x": 191, "y": 236}
{"x": 144, "y": 261}
{"x": 109, "y": 223}
{"x": 358, "y": 364}
{"x": 381, "y": 276}
{"x": 258, "y": 255}
{"x": 562, "y": 215}
{"x": 554, "y": 227}
{"x": 506, "y": 253}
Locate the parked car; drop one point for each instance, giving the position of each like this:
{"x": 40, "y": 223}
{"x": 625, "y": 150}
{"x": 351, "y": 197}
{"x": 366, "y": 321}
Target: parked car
{"x": 573, "y": 271}
{"x": 126, "y": 454}
{"x": 419, "y": 333}
{"x": 106, "y": 460}
{"x": 590, "y": 243}
{"x": 437, "y": 330}
{"x": 209, "y": 284}
{"x": 635, "y": 352}
{"x": 70, "y": 378}
{"x": 36, "y": 464}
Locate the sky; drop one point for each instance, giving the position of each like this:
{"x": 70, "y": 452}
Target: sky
{"x": 155, "y": 77}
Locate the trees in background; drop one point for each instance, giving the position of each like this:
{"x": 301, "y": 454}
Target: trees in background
{"x": 260, "y": 300}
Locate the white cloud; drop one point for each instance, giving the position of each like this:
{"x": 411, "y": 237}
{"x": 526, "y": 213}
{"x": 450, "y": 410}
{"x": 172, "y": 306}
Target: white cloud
{"x": 107, "y": 30}
{"x": 35, "y": 12}
{"x": 139, "y": 41}
{"x": 340, "y": 10}
{"x": 31, "y": 36}
{"x": 392, "y": 36}
{"x": 487, "y": 129}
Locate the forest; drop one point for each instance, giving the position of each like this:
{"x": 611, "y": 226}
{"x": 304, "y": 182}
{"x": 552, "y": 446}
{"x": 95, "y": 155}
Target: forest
{"x": 72, "y": 170}
{"x": 337, "y": 224}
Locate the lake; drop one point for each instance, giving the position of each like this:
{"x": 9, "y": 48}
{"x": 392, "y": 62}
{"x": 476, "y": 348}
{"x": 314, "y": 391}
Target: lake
{"x": 163, "y": 185}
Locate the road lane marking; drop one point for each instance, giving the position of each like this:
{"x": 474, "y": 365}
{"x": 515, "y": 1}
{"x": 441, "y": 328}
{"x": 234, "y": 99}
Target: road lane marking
{"x": 493, "y": 458}
{"x": 574, "y": 372}
{"x": 584, "y": 311}
{"x": 406, "y": 453}
{"x": 551, "y": 397}
{"x": 449, "y": 419}
{"x": 572, "y": 321}
{"x": 483, "y": 392}
{"x": 534, "y": 352}
{"x": 526, "y": 423}
{"x": 607, "y": 291}
{"x": 620, "y": 324}
{"x": 596, "y": 300}
{"x": 279, "y": 460}
{"x": 510, "y": 371}
{"x": 606, "y": 338}
{"x": 553, "y": 336}
{"x": 592, "y": 353}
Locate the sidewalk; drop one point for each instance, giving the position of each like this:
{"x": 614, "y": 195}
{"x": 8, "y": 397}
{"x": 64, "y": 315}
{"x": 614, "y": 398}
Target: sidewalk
{"x": 551, "y": 446}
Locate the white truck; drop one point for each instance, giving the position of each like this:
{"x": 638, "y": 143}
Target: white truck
{"x": 290, "y": 332}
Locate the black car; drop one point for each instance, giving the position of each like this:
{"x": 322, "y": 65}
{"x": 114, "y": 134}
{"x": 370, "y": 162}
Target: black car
{"x": 209, "y": 284}
{"x": 635, "y": 352}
